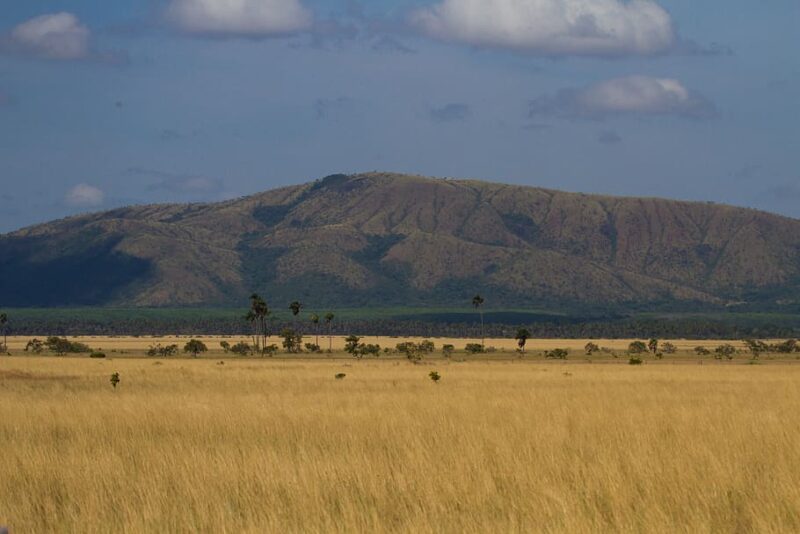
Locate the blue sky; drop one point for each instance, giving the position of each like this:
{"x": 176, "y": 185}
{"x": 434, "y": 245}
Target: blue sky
{"x": 112, "y": 103}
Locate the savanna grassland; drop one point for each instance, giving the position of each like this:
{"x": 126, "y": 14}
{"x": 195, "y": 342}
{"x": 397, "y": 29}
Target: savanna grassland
{"x": 254, "y": 445}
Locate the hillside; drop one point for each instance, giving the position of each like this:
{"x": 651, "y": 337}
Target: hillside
{"x": 384, "y": 239}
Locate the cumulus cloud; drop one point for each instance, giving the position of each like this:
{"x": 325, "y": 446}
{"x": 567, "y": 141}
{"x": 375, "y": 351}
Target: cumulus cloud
{"x": 450, "y": 113}
{"x": 84, "y": 196}
{"x": 58, "y": 36}
{"x": 552, "y": 27}
{"x": 631, "y": 95}
{"x": 247, "y": 18}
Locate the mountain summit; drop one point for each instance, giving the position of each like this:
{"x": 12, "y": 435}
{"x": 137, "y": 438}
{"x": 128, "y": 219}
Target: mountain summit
{"x": 387, "y": 239}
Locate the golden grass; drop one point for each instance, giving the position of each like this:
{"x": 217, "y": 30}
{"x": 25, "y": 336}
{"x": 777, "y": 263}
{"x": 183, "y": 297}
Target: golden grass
{"x": 141, "y": 343}
{"x": 259, "y": 445}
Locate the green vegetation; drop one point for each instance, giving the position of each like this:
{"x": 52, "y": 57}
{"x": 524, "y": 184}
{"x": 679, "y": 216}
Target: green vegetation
{"x": 292, "y": 341}
{"x": 162, "y": 350}
{"x": 444, "y": 322}
{"x": 195, "y": 347}
{"x": 637, "y": 347}
{"x": 61, "y": 346}
{"x": 556, "y": 354}
{"x": 523, "y": 334}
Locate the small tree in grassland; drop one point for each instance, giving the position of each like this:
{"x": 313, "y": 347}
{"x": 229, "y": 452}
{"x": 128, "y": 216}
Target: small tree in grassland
{"x": 523, "y": 334}
{"x": 725, "y": 351}
{"x": 351, "y": 344}
{"x": 295, "y": 306}
{"x": 591, "y": 348}
{"x": 637, "y": 347}
{"x": 292, "y": 341}
{"x": 653, "y": 345}
{"x": 195, "y": 347}
{"x": 329, "y": 322}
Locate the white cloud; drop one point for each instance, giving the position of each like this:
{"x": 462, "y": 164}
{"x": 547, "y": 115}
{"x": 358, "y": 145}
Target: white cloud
{"x": 552, "y": 27}
{"x": 253, "y": 18}
{"x": 631, "y": 95}
{"x": 52, "y": 36}
{"x": 84, "y": 196}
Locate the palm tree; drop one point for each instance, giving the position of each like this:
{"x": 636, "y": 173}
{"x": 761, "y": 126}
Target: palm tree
{"x": 3, "y": 322}
{"x": 477, "y": 303}
{"x": 295, "y": 306}
{"x": 328, "y": 320}
{"x": 522, "y": 337}
{"x": 257, "y": 316}
{"x": 315, "y": 321}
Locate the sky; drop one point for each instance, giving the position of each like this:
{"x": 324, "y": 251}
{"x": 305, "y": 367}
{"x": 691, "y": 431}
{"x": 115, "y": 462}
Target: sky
{"x": 105, "y": 104}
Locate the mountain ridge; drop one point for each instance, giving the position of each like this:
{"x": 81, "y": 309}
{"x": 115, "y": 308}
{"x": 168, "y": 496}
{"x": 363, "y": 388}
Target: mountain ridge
{"x": 383, "y": 238}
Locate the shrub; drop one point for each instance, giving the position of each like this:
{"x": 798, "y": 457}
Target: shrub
{"x": 242, "y": 349}
{"x": 351, "y": 344}
{"x": 591, "y": 348}
{"x": 702, "y": 351}
{"x": 435, "y": 376}
{"x": 756, "y": 347}
{"x": 312, "y": 347}
{"x": 474, "y": 348}
{"x": 635, "y": 361}
{"x": 225, "y": 346}
{"x": 668, "y": 348}
{"x": 97, "y": 355}
{"x": 427, "y": 346}
{"x": 269, "y": 350}
{"x": 447, "y": 350}
{"x": 339, "y": 376}
{"x": 556, "y": 354}
{"x": 195, "y": 347}
{"x": 410, "y": 350}
{"x": 35, "y": 346}
{"x": 61, "y": 346}
{"x": 790, "y": 345}
{"x": 115, "y": 380}
{"x": 370, "y": 350}
{"x": 292, "y": 341}
{"x": 724, "y": 351}
{"x": 637, "y": 347}
{"x": 159, "y": 350}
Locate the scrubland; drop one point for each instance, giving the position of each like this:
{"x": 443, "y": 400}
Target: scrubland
{"x": 255, "y": 445}
{"x": 137, "y": 345}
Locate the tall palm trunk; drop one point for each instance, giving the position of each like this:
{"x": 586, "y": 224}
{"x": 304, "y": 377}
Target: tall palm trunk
{"x": 483, "y": 336}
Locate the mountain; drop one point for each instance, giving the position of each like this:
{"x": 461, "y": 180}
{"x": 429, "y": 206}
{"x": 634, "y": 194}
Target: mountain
{"x": 383, "y": 239}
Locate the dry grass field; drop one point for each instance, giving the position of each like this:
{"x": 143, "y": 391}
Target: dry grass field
{"x": 257, "y": 445}
{"x": 138, "y": 345}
